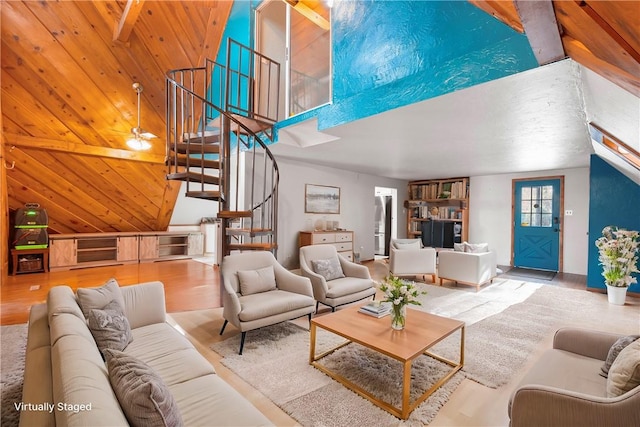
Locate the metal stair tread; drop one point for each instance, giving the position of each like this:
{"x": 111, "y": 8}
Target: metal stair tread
{"x": 208, "y": 195}
{"x": 234, "y": 214}
{"x": 251, "y": 232}
{"x": 198, "y": 162}
{"x": 195, "y": 148}
{"x": 208, "y": 137}
{"x": 253, "y": 246}
{"x": 194, "y": 177}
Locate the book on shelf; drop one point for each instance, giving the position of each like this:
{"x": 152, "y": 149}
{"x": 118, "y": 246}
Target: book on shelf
{"x": 376, "y": 309}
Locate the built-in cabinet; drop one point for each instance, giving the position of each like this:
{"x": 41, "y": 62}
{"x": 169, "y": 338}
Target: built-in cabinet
{"x": 68, "y": 251}
{"x": 342, "y": 240}
{"x": 438, "y": 211}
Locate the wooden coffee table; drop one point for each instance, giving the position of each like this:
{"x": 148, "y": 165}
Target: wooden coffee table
{"x": 422, "y": 331}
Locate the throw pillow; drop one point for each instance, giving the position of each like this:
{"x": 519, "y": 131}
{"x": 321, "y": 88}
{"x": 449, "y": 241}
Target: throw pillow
{"x": 460, "y": 247}
{"x": 329, "y": 268}
{"x": 624, "y": 374}
{"x": 255, "y": 281}
{"x": 145, "y": 399}
{"x": 615, "y": 349}
{"x": 408, "y": 245}
{"x": 110, "y": 327}
{"x": 90, "y": 298}
{"x": 477, "y": 248}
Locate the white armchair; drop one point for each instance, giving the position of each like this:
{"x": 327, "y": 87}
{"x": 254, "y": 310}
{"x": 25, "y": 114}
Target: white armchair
{"x": 257, "y": 291}
{"x": 407, "y": 257}
{"x": 352, "y": 283}
{"x": 468, "y": 268}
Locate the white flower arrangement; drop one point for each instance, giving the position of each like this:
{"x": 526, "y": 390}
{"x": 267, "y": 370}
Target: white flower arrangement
{"x": 399, "y": 293}
{"x": 618, "y": 255}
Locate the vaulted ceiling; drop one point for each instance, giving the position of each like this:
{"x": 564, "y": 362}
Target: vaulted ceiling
{"x": 68, "y": 105}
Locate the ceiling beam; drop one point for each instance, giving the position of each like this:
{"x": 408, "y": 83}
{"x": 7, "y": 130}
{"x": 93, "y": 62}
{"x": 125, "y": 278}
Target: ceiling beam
{"x": 540, "y": 25}
{"x": 607, "y": 28}
{"x": 123, "y": 28}
{"x": 82, "y": 149}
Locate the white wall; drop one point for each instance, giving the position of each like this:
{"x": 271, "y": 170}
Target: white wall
{"x": 357, "y": 195}
{"x": 190, "y": 210}
{"x": 490, "y": 212}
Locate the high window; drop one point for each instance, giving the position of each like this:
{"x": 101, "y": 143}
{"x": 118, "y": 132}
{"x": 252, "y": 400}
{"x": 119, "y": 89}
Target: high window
{"x": 297, "y": 34}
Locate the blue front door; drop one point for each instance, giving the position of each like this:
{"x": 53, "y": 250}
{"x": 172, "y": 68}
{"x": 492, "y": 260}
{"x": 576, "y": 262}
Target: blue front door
{"x": 536, "y": 230}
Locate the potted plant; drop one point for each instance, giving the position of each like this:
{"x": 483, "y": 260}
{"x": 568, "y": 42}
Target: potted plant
{"x": 399, "y": 293}
{"x": 618, "y": 255}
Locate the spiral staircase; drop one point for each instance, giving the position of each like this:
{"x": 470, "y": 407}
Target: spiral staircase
{"x": 219, "y": 123}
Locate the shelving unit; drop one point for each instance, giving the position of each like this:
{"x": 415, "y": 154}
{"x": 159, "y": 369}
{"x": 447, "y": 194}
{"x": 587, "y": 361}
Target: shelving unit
{"x": 69, "y": 251}
{"x": 443, "y": 201}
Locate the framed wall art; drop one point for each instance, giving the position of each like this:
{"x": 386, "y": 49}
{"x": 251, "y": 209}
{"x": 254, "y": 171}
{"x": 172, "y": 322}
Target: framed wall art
{"x": 321, "y": 199}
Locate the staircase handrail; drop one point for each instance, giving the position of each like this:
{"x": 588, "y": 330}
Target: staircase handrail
{"x": 230, "y": 117}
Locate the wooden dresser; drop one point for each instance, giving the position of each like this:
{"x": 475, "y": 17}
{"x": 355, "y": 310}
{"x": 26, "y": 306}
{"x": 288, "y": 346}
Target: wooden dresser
{"x": 342, "y": 240}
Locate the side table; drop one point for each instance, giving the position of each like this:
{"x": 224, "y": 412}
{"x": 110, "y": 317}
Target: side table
{"x": 41, "y": 251}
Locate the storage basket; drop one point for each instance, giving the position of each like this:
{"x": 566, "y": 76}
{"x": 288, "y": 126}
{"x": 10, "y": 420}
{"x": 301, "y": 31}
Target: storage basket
{"x": 29, "y": 264}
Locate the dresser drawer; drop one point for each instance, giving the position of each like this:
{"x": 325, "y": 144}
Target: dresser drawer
{"x": 344, "y": 237}
{"x": 348, "y": 255}
{"x": 320, "y": 238}
{"x": 343, "y": 246}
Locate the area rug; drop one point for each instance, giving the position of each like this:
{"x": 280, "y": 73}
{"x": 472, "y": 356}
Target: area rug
{"x": 13, "y": 342}
{"x": 275, "y": 359}
{"x": 530, "y": 273}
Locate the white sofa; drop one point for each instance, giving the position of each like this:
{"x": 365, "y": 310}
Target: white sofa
{"x": 65, "y": 369}
{"x": 469, "y": 268}
{"x": 407, "y": 257}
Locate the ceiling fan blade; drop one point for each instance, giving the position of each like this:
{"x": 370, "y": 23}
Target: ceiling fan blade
{"x": 309, "y": 13}
{"x": 147, "y": 135}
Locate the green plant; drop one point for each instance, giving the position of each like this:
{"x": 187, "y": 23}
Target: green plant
{"x": 618, "y": 256}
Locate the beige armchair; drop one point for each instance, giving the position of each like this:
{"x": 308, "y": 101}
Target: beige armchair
{"x": 564, "y": 387}
{"x": 258, "y": 291}
{"x": 407, "y": 257}
{"x": 352, "y": 283}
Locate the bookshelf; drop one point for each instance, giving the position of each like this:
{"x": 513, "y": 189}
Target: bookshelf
{"x": 444, "y": 205}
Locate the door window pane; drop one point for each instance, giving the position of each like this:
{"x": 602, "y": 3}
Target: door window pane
{"x": 536, "y": 206}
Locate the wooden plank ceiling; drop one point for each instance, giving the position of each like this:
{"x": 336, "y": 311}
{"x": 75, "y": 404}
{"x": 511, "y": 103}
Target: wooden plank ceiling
{"x": 68, "y": 105}
{"x": 603, "y": 35}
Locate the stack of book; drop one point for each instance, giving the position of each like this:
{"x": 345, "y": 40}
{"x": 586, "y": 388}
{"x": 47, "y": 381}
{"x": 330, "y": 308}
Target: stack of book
{"x": 376, "y": 309}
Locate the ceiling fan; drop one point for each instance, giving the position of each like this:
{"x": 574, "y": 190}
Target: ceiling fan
{"x": 139, "y": 137}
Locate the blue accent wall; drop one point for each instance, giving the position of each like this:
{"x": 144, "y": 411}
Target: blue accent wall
{"x": 388, "y": 54}
{"x": 614, "y": 199}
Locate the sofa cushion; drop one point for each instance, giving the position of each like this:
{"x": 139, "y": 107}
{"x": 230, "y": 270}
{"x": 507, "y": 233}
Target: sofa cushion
{"x": 221, "y": 405}
{"x": 143, "y": 396}
{"x": 615, "y": 349}
{"x": 624, "y": 373}
{"x": 110, "y": 327}
{"x": 259, "y": 306}
{"x": 256, "y": 281}
{"x": 329, "y": 268}
{"x": 168, "y": 352}
{"x": 61, "y": 299}
{"x": 347, "y": 286}
{"x": 90, "y": 298}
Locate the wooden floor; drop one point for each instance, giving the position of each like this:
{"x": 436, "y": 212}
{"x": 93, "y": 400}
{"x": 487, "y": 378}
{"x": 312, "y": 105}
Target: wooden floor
{"x": 189, "y": 285}
{"x": 192, "y": 290}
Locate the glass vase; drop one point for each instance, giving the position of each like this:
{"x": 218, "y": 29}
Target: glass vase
{"x": 398, "y": 317}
